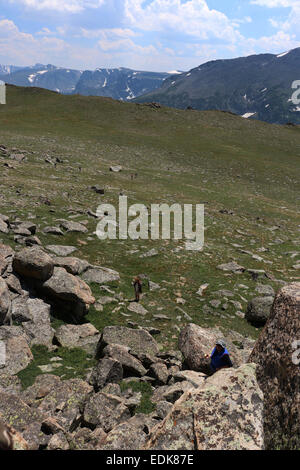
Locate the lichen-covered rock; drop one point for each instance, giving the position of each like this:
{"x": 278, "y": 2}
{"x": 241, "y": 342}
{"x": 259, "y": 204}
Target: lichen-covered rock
{"x": 106, "y": 411}
{"x": 14, "y": 412}
{"x": 138, "y": 341}
{"x": 225, "y": 413}
{"x": 277, "y": 356}
{"x": 131, "y": 435}
{"x": 17, "y": 352}
{"x": 33, "y": 263}
{"x": 107, "y": 371}
{"x": 41, "y": 387}
{"x": 65, "y": 402}
{"x": 10, "y": 384}
{"x": 86, "y": 439}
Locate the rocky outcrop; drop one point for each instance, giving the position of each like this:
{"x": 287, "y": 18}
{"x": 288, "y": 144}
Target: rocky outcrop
{"x": 100, "y": 275}
{"x": 277, "y": 356}
{"x": 225, "y": 413}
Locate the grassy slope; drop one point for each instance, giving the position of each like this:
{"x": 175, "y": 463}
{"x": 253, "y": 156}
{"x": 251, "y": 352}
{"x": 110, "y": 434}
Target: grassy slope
{"x": 249, "y": 167}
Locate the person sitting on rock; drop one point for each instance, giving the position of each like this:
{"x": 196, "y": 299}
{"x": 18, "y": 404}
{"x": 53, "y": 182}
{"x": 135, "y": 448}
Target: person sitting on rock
{"x": 219, "y": 358}
{"x": 137, "y": 285}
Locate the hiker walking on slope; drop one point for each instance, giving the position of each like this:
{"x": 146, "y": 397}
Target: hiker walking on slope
{"x": 137, "y": 285}
{"x": 219, "y": 358}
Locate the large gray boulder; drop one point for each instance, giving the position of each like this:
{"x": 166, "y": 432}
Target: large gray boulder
{"x": 195, "y": 343}
{"x": 138, "y": 341}
{"x": 64, "y": 286}
{"x": 277, "y": 354}
{"x": 225, "y": 413}
{"x": 258, "y": 310}
{"x": 33, "y": 263}
{"x": 84, "y": 336}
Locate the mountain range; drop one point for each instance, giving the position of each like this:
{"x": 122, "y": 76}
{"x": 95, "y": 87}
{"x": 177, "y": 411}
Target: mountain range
{"x": 119, "y": 83}
{"x": 258, "y": 86}
{"x": 254, "y": 87}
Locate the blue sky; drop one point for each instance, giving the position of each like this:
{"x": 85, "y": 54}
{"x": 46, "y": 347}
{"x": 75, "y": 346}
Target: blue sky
{"x": 158, "y": 35}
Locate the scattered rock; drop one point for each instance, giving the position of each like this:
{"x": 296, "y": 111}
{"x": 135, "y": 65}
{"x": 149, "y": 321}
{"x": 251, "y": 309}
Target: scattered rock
{"x": 84, "y": 336}
{"x": 100, "y": 275}
{"x": 138, "y": 341}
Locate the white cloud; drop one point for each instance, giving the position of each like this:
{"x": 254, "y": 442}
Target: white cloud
{"x": 275, "y": 3}
{"x": 68, "y": 6}
{"x": 192, "y": 18}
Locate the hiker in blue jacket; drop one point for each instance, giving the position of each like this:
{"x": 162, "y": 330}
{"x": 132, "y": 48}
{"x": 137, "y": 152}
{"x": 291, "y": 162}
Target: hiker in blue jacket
{"x": 220, "y": 357}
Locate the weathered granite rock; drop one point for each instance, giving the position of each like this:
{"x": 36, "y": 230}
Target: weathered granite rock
{"x": 86, "y": 439}
{"x": 41, "y": 387}
{"x": 10, "y": 384}
{"x": 18, "y": 442}
{"x": 39, "y": 329}
{"x": 61, "y": 250}
{"x": 106, "y": 411}
{"x": 65, "y": 403}
{"x": 226, "y": 413}
{"x": 258, "y": 310}
{"x": 138, "y": 341}
{"x": 33, "y": 263}
{"x": 132, "y": 367}
{"x": 64, "y": 286}
{"x": 137, "y": 308}
{"x": 17, "y": 353}
{"x": 160, "y": 372}
{"x": 21, "y": 417}
{"x": 71, "y": 264}
{"x": 84, "y": 336}
{"x": 277, "y": 356}
{"x": 131, "y": 435}
{"x": 100, "y": 275}
{"x": 107, "y": 370}
{"x": 232, "y": 266}
{"x": 196, "y": 342}
{"x": 71, "y": 226}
